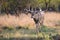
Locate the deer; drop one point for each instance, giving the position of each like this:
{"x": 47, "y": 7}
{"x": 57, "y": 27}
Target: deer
{"x": 38, "y": 16}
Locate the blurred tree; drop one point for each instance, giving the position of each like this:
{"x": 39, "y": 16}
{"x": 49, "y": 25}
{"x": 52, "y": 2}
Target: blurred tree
{"x": 15, "y": 6}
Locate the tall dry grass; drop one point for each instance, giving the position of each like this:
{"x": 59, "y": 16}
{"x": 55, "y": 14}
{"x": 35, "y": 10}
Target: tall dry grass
{"x": 50, "y": 19}
{"x": 13, "y": 21}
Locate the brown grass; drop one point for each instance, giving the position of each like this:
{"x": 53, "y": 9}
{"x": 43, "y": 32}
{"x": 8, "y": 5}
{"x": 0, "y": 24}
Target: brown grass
{"x": 51, "y": 18}
{"x": 23, "y": 20}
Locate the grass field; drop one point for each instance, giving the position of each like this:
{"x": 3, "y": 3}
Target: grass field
{"x": 51, "y": 19}
{"x": 13, "y": 21}
{"x": 27, "y": 32}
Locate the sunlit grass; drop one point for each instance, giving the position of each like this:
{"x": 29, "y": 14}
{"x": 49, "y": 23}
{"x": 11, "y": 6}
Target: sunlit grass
{"x": 46, "y": 33}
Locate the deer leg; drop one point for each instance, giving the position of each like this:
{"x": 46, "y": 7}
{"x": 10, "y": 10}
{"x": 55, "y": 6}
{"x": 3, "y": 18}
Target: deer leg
{"x": 37, "y": 25}
{"x": 37, "y": 28}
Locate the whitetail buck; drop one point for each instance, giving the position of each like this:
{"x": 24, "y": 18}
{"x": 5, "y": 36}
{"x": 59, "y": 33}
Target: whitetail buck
{"x": 38, "y": 17}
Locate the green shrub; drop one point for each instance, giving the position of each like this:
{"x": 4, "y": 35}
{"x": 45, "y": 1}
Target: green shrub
{"x": 7, "y": 28}
{"x": 47, "y": 30}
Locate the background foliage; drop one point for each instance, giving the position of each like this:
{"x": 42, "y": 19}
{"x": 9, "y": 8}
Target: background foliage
{"x": 8, "y": 6}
